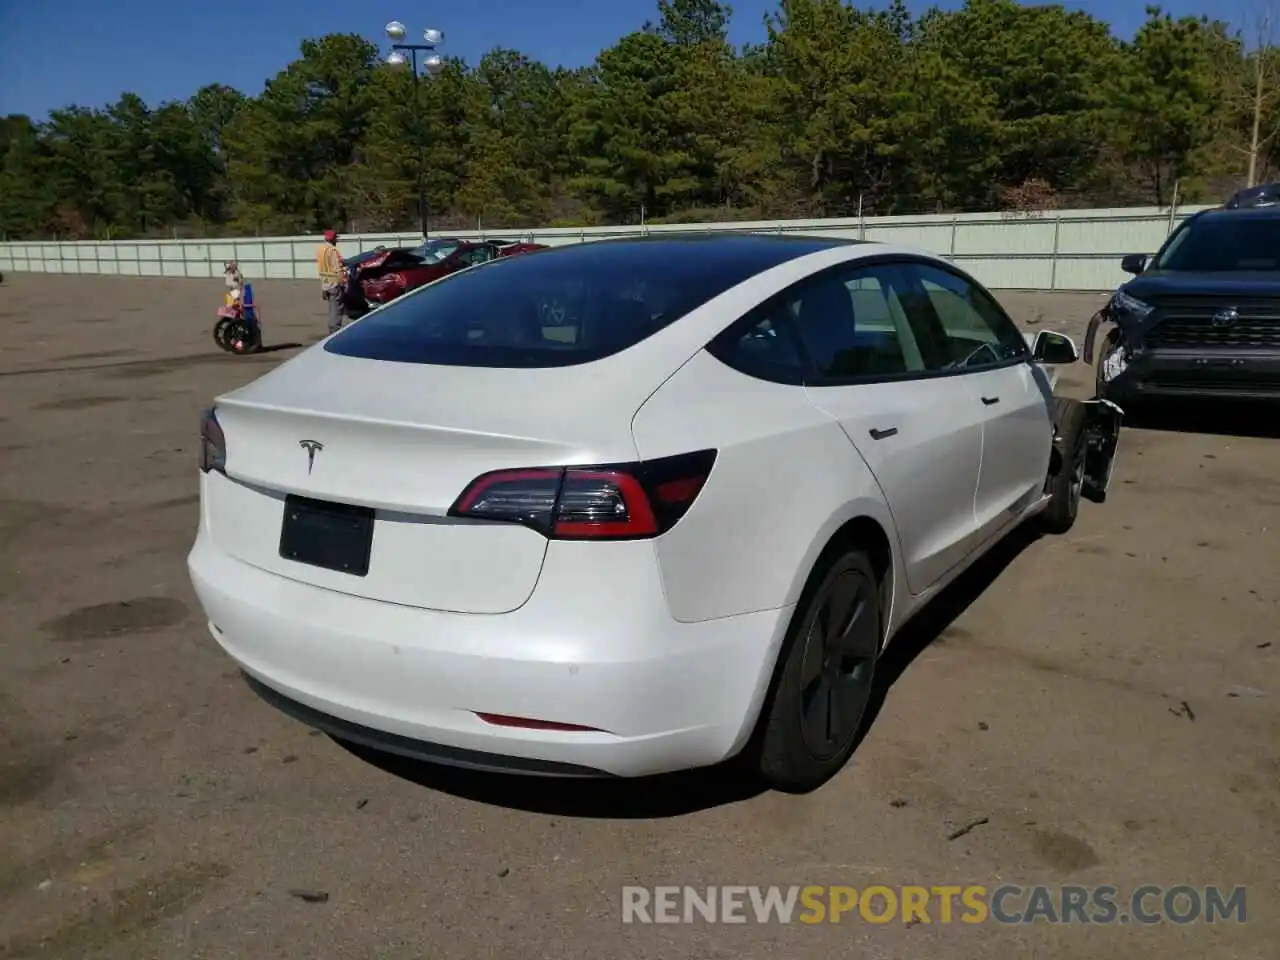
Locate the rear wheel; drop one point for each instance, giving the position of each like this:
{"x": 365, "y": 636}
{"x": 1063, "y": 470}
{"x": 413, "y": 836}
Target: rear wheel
{"x": 824, "y": 683}
{"x": 1067, "y": 484}
{"x": 220, "y": 333}
{"x": 241, "y": 338}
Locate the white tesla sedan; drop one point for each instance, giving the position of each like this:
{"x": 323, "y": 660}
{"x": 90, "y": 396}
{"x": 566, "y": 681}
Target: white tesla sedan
{"x": 631, "y": 506}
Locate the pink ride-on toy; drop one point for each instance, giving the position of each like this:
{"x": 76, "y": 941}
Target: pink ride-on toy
{"x": 238, "y": 329}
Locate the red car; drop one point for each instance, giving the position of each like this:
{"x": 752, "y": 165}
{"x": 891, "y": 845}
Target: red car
{"x": 382, "y": 275}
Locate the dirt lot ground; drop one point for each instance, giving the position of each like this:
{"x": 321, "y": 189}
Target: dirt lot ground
{"x": 1107, "y": 704}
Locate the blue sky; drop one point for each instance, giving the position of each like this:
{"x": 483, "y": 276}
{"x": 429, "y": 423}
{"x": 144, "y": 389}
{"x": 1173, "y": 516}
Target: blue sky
{"x": 167, "y": 49}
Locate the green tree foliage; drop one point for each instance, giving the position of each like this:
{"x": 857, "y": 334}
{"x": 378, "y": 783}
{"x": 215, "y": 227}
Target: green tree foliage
{"x": 842, "y": 108}
{"x": 1173, "y": 99}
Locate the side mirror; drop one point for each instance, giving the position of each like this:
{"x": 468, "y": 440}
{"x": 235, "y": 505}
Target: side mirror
{"x": 1134, "y": 263}
{"x": 1055, "y": 348}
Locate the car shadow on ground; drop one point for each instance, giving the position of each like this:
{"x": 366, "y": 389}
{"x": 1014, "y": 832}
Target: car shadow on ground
{"x": 1225, "y": 418}
{"x": 677, "y": 794}
{"x": 928, "y": 626}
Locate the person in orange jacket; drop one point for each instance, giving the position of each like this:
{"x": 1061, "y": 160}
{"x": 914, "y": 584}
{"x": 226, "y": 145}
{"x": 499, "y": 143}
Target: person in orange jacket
{"x": 330, "y": 266}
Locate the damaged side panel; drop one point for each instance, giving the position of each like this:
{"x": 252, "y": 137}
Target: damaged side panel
{"x": 1102, "y": 438}
{"x": 1130, "y": 329}
{"x": 1091, "y": 332}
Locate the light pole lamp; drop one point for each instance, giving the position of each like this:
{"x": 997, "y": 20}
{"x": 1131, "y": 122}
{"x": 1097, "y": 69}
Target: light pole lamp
{"x": 431, "y": 65}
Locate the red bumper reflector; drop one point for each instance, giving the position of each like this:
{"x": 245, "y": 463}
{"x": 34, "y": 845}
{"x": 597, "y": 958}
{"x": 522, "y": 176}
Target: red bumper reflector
{"x": 501, "y": 720}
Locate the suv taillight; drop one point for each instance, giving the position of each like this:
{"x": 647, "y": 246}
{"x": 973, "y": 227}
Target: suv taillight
{"x": 620, "y": 501}
{"x": 213, "y": 445}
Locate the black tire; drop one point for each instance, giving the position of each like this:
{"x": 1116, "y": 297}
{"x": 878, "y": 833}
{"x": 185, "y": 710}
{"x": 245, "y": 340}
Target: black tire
{"x": 220, "y": 333}
{"x": 797, "y": 749}
{"x": 241, "y": 339}
{"x": 1067, "y": 482}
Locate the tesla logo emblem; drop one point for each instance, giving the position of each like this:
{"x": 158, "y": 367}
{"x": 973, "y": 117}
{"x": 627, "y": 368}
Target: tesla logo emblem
{"x": 1226, "y": 318}
{"x": 312, "y": 447}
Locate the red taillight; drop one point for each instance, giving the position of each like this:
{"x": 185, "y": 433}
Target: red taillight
{"x": 213, "y": 445}
{"x": 607, "y": 502}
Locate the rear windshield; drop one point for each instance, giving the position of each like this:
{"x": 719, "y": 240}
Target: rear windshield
{"x": 1224, "y": 245}
{"x": 434, "y": 251}
{"x": 558, "y": 307}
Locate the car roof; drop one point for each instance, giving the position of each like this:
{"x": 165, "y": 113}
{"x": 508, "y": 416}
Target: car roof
{"x": 1239, "y": 213}
{"x": 701, "y": 281}
{"x": 1258, "y": 195}
{"x": 736, "y": 240}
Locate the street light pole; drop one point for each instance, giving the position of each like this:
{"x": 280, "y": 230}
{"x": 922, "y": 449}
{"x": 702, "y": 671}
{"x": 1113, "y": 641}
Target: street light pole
{"x": 432, "y": 65}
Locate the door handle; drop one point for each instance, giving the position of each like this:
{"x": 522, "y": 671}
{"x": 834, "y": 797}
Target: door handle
{"x": 881, "y": 434}
{"x": 990, "y": 400}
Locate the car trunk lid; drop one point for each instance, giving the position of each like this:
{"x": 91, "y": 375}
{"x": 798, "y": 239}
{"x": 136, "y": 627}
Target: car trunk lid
{"x": 403, "y": 441}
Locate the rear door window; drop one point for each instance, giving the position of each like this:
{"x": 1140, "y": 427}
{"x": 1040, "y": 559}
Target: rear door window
{"x": 854, "y": 327}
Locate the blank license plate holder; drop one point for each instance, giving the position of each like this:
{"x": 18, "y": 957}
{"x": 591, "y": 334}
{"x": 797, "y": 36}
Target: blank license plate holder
{"x": 335, "y": 536}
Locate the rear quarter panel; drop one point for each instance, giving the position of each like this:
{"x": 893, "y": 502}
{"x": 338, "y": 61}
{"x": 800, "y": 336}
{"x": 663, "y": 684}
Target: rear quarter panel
{"x": 785, "y": 480}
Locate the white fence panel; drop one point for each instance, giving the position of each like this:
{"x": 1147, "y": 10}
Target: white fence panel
{"x": 1068, "y": 250}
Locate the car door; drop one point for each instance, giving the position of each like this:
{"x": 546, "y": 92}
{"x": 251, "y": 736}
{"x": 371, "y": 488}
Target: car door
{"x": 917, "y": 433}
{"x": 977, "y": 342}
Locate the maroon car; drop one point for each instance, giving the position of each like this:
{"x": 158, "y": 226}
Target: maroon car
{"x": 382, "y": 275}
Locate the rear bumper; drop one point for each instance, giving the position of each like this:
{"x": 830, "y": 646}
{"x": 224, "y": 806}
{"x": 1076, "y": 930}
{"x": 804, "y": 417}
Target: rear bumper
{"x": 415, "y": 749}
{"x": 1236, "y": 374}
{"x": 660, "y": 695}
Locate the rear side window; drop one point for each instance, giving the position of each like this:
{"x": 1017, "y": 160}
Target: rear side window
{"x": 557, "y": 307}
{"x": 853, "y": 325}
{"x": 762, "y": 345}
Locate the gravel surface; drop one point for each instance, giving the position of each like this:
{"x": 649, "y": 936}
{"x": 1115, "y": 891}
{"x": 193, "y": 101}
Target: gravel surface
{"x": 1098, "y": 708}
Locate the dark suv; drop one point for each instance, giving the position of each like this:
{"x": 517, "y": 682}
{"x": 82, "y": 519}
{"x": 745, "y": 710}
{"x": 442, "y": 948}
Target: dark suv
{"x": 1202, "y": 317}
